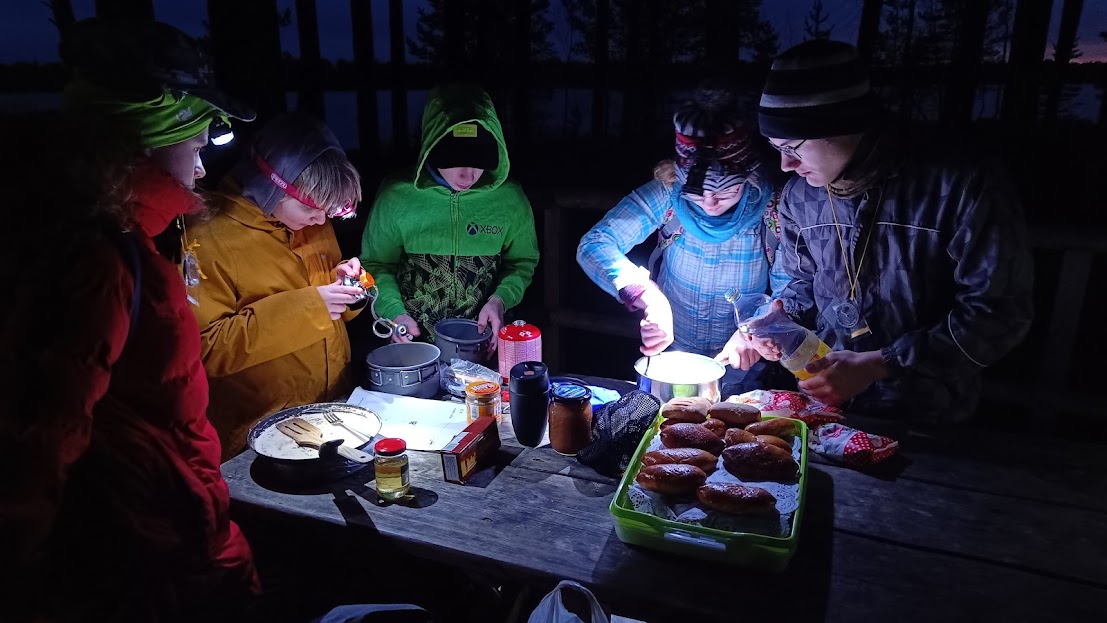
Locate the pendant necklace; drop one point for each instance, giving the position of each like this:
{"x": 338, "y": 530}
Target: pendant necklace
{"x": 847, "y": 313}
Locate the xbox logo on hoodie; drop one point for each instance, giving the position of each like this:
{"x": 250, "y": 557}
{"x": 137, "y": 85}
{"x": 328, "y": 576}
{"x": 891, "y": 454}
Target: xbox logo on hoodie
{"x": 477, "y": 228}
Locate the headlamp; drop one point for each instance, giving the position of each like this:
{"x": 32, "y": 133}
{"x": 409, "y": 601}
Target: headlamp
{"x": 219, "y": 132}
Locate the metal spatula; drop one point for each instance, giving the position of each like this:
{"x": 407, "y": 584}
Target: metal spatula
{"x": 307, "y": 434}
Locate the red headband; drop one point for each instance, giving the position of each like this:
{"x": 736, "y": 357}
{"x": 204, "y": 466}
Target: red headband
{"x": 291, "y": 191}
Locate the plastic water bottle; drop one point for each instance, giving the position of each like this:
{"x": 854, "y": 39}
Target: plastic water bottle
{"x": 799, "y": 345}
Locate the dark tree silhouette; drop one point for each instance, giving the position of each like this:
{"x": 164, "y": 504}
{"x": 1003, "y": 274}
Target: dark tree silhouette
{"x": 451, "y": 32}
{"x": 126, "y": 9}
{"x": 1060, "y": 96}
{"x": 62, "y": 14}
{"x": 815, "y": 25}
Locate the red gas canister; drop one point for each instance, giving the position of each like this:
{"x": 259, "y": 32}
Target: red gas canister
{"x": 518, "y": 342}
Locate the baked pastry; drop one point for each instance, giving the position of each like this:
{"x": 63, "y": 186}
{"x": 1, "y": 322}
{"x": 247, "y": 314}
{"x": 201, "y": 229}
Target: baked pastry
{"x": 736, "y": 499}
{"x": 685, "y": 435}
{"x": 773, "y": 440}
{"x": 734, "y": 414}
{"x": 689, "y": 456}
{"x": 716, "y": 426}
{"x": 735, "y": 436}
{"x": 777, "y": 426}
{"x": 758, "y": 461}
{"x": 692, "y": 410}
{"x": 671, "y": 478}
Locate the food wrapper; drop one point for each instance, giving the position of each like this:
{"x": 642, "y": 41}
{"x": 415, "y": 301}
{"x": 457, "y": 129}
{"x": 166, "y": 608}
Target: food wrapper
{"x": 460, "y": 373}
{"x": 851, "y": 446}
{"x": 827, "y": 435}
{"x": 791, "y": 404}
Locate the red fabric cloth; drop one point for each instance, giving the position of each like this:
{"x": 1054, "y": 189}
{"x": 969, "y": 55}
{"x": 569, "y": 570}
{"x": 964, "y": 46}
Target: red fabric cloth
{"x": 118, "y": 499}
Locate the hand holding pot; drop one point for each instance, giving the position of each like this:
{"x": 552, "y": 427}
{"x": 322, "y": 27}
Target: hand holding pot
{"x": 492, "y": 314}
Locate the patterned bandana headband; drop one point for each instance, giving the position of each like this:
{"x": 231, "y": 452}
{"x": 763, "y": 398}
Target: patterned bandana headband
{"x": 715, "y": 166}
{"x": 344, "y": 210}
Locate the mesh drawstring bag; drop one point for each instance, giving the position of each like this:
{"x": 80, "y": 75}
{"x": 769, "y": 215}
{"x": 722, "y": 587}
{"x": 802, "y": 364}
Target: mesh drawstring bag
{"x": 617, "y": 429}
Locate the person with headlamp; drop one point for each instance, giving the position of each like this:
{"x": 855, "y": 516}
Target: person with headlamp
{"x": 270, "y": 302}
{"x": 714, "y": 215}
{"x": 114, "y": 507}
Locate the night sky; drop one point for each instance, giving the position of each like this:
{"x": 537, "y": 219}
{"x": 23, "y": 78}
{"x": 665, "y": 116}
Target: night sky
{"x": 26, "y": 33}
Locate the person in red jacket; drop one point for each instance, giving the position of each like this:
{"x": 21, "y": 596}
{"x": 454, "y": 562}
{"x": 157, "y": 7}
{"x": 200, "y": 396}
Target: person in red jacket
{"x": 113, "y": 506}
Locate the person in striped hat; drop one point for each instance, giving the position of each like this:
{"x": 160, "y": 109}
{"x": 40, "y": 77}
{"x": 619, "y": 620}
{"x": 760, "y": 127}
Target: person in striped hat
{"x": 713, "y": 211}
{"x": 909, "y": 260}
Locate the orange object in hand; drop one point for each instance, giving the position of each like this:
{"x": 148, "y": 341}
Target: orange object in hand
{"x": 367, "y": 280}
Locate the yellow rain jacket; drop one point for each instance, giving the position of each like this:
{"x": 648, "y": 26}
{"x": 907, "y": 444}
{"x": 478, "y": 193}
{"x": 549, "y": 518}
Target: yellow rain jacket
{"x": 267, "y": 340}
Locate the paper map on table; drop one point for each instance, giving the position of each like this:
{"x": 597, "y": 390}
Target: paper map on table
{"x": 423, "y": 424}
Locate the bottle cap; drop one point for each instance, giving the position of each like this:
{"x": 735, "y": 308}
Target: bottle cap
{"x": 529, "y": 378}
{"x": 571, "y": 391}
{"x": 390, "y": 446}
{"x": 478, "y": 389}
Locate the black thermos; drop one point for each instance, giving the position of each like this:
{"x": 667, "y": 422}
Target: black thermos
{"x": 529, "y": 384}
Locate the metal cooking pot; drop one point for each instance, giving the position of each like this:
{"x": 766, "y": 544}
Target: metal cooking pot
{"x": 405, "y": 369}
{"x": 459, "y": 338}
{"x": 674, "y": 375}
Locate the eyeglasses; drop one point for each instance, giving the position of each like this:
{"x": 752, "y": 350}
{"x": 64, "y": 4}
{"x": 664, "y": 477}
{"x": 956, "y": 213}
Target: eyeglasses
{"x": 789, "y": 150}
{"x": 722, "y": 197}
{"x": 346, "y": 209}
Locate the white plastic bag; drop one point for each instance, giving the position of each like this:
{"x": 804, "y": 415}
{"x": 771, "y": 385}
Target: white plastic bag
{"x": 551, "y": 610}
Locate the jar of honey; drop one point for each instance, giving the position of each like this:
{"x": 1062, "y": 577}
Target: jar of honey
{"x": 482, "y": 399}
{"x": 570, "y": 418}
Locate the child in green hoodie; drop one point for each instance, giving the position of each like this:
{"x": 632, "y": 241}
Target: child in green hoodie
{"x": 453, "y": 237}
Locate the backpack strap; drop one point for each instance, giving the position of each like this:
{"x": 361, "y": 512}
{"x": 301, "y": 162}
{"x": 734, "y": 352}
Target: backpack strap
{"x": 770, "y": 227}
{"x": 667, "y": 234}
{"x": 125, "y": 242}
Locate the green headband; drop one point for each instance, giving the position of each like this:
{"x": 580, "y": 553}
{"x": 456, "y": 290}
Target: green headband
{"x": 169, "y": 119}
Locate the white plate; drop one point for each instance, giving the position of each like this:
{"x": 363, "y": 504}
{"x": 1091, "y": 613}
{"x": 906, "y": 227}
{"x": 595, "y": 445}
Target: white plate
{"x": 268, "y": 441}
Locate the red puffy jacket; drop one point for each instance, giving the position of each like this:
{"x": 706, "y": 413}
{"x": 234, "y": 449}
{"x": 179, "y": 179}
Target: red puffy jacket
{"x": 117, "y": 508}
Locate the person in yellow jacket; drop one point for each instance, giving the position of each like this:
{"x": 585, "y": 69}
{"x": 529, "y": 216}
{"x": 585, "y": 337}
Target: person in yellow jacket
{"x": 270, "y": 303}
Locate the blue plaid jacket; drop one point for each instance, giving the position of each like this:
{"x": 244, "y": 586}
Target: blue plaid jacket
{"x": 695, "y": 275}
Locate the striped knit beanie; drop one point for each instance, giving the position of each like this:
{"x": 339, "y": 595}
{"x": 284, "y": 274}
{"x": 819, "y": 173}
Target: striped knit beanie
{"x": 817, "y": 89}
{"x": 713, "y": 148}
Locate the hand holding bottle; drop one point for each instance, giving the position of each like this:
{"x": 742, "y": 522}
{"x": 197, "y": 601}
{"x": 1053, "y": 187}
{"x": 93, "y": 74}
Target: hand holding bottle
{"x": 842, "y": 374}
{"x": 794, "y": 345}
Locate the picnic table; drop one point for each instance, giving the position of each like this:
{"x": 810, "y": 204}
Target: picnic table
{"x": 964, "y": 524}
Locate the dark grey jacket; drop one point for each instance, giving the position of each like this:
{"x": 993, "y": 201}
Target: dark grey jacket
{"x": 945, "y": 286}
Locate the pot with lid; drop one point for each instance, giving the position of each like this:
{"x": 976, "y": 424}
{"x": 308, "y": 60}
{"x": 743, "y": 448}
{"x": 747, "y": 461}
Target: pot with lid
{"x": 674, "y": 374}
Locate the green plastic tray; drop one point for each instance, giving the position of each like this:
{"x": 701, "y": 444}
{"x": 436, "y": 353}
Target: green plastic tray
{"x": 735, "y": 548}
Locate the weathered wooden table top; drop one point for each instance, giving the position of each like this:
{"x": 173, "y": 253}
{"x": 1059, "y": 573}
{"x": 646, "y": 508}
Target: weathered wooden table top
{"x": 965, "y": 524}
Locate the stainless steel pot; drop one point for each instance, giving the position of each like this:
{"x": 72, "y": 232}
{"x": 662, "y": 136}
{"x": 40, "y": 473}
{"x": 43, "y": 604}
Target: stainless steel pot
{"x": 673, "y": 375}
{"x": 405, "y": 369}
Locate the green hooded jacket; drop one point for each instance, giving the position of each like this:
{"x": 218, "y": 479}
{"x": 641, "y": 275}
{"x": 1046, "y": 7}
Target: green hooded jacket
{"x": 438, "y": 253}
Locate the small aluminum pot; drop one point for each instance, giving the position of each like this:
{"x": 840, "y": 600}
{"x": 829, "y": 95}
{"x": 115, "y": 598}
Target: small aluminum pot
{"x": 459, "y": 338}
{"x": 675, "y": 375}
{"x": 405, "y": 369}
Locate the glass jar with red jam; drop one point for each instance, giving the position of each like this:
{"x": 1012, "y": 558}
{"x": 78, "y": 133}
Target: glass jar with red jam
{"x": 570, "y": 418}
